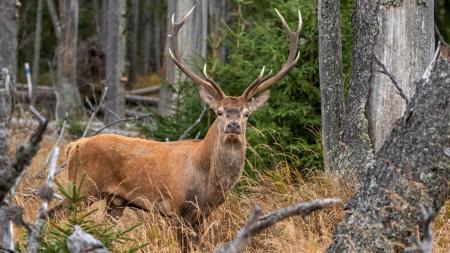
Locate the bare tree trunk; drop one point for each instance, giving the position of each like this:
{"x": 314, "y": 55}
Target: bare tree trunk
{"x": 217, "y": 15}
{"x": 104, "y": 25}
{"x": 98, "y": 18}
{"x": 9, "y": 15}
{"x": 155, "y": 57}
{"x": 6, "y": 228}
{"x": 331, "y": 81}
{"x": 37, "y": 51}
{"x": 146, "y": 28}
{"x": 115, "y": 61}
{"x": 405, "y": 45}
{"x": 68, "y": 100}
{"x": 356, "y": 150}
{"x": 192, "y": 43}
{"x": 134, "y": 26}
{"x": 411, "y": 168}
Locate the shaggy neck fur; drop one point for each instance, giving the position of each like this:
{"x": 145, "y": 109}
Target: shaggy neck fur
{"x": 226, "y": 162}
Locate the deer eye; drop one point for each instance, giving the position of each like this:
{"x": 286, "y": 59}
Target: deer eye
{"x": 219, "y": 113}
{"x": 246, "y": 114}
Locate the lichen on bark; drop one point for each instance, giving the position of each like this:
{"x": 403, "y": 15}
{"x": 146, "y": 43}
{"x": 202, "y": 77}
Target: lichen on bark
{"x": 410, "y": 169}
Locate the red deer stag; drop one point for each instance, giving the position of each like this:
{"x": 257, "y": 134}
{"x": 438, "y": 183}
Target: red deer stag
{"x": 188, "y": 178}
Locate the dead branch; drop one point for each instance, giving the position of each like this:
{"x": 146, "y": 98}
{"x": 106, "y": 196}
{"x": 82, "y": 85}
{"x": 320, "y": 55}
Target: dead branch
{"x": 136, "y": 118}
{"x": 96, "y": 110}
{"x": 24, "y": 154}
{"x": 392, "y": 77}
{"x": 142, "y": 99}
{"x": 257, "y": 223}
{"x": 199, "y": 119}
{"x": 426, "y": 245}
{"x": 46, "y": 195}
{"x": 80, "y": 242}
{"x": 58, "y": 141}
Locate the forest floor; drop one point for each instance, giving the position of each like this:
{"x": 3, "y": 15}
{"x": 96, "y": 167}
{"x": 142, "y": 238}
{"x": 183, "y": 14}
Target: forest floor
{"x": 279, "y": 188}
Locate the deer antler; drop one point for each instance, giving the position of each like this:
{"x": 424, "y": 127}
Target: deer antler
{"x": 263, "y": 83}
{"x": 206, "y": 83}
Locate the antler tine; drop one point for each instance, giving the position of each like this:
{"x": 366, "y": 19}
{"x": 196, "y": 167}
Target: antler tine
{"x": 260, "y": 85}
{"x": 254, "y": 84}
{"x": 208, "y": 84}
{"x": 213, "y": 83}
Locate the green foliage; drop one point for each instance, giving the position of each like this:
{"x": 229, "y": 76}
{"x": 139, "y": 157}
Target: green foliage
{"x": 55, "y": 236}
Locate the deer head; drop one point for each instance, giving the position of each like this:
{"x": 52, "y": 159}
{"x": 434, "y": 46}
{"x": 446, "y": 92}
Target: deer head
{"x": 233, "y": 111}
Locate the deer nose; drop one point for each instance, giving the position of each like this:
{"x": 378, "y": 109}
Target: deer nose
{"x": 233, "y": 127}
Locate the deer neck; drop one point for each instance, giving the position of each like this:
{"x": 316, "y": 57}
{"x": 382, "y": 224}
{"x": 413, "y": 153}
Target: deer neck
{"x": 225, "y": 161}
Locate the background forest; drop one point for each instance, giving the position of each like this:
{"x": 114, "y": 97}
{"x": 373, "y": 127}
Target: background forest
{"x": 249, "y": 36}
{"x": 284, "y": 162}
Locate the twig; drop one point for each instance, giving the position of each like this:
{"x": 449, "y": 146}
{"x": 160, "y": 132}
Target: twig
{"x": 199, "y": 119}
{"x": 255, "y": 224}
{"x": 81, "y": 241}
{"x": 94, "y": 113}
{"x": 439, "y": 34}
{"x": 426, "y": 75}
{"x": 61, "y": 134}
{"x": 46, "y": 195}
{"x": 392, "y": 77}
{"x": 426, "y": 245}
{"x": 122, "y": 120}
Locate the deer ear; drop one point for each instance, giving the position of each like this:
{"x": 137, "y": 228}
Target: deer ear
{"x": 257, "y": 102}
{"x": 211, "y": 100}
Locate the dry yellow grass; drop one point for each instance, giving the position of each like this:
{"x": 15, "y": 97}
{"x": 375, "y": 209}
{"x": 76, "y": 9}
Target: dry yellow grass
{"x": 277, "y": 189}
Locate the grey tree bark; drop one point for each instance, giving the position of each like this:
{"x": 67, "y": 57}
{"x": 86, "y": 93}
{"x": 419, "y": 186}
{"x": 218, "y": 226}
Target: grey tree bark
{"x": 217, "y": 11}
{"x": 155, "y": 42}
{"x": 104, "y": 24}
{"x": 37, "y": 51}
{"x": 405, "y": 45}
{"x": 68, "y": 100}
{"x": 145, "y": 37}
{"x": 192, "y": 44}
{"x": 115, "y": 61}
{"x": 6, "y": 233}
{"x": 9, "y": 15}
{"x": 411, "y": 168}
{"x": 331, "y": 81}
{"x": 134, "y": 27}
{"x": 356, "y": 148}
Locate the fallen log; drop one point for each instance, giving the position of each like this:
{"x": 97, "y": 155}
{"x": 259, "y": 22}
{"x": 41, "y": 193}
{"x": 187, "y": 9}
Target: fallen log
{"x": 46, "y": 92}
{"x": 145, "y": 91}
{"x": 142, "y": 99}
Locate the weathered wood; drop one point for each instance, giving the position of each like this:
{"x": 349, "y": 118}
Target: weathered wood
{"x": 37, "y": 50}
{"x": 411, "y": 168}
{"x": 193, "y": 45}
{"x": 144, "y": 91}
{"x": 217, "y": 12}
{"x": 80, "y": 241}
{"x": 115, "y": 60}
{"x": 131, "y": 97}
{"x": 142, "y": 99}
{"x": 331, "y": 81}
{"x": 357, "y": 151}
{"x": 6, "y": 233}
{"x": 256, "y": 223}
{"x": 9, "y": 16}
{"x": 68, "y": 100}
{"x": 133, "y": 43}
{"x": 405, "y": 44}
